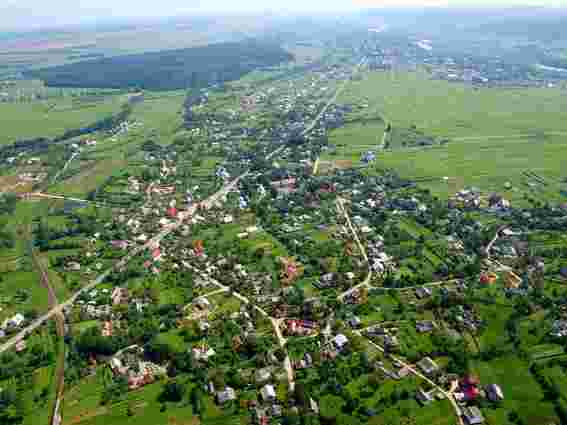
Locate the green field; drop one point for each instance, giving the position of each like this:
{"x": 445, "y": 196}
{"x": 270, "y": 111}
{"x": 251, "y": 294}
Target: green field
{"x": 495, "y": 134}
{"x": 52, "y": 117}
{"x": 161, "y": 115}
{"x": 444, "y": 109}
{"x": 522, "y": 393}
{"x": 82, "y": 405}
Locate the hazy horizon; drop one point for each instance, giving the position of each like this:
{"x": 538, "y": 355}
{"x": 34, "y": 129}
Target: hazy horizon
{"x": 35, "y": 14}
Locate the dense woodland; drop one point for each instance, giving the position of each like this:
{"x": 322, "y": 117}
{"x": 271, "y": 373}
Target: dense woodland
{"x": 168, "y": 69}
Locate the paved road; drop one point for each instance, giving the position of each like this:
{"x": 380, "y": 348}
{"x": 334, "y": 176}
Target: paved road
{"x": 119, "y": 265}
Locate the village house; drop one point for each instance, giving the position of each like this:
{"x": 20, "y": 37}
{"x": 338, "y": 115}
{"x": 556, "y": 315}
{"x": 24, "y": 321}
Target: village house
{"x": 423, "y": 292}
{"x": 559, "y": 329}
{"x": 119, "y": 296}
{"x": 328, "y": 280}
{"x": 107, "y": 329}
{"x": 494, "y": 392}
{"x": 424, "y": 326}
{"x": 138, "y": 372}
{"x": 391, "y": 342}
{"x": 424, "y": 397}
{"x": 21, "y": 346}
{"x": 313, "y": 406}
{"x": 97, "y": 312}
{"x": 340, "y": 341}
{"x": 304, "y": 363}
{"x": 468, "y": 389}
{"x": 300, "y": 327}
{"x": 228, "y": 394}
{"x": 263, "y": 375}
{"x": 268, "y": 393}
{"x": 14, "y": 322}
{"x": 202, "y": 353}
{"x": 472, "y": 415}
{"x": 428, "y": 366}
{"x": 354, "y": 322}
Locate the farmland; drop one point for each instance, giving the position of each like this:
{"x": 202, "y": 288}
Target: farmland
{"x": 49, "y": 118}
{"x": 494, "y": 135}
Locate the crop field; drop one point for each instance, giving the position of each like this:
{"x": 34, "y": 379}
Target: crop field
{"x": 495, "y": 135}
{"x": 452, "y": 110}
{"x": 49, "y": 118}
{"x": 89, "y": 178}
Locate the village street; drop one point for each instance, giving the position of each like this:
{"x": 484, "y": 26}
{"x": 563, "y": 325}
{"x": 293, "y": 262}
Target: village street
{"x": 58, "y": 309}
{"x": 275, "y": 322}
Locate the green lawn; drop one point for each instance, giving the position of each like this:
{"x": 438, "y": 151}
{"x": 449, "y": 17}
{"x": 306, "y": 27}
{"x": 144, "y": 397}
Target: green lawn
{"x": 495, "y": 334}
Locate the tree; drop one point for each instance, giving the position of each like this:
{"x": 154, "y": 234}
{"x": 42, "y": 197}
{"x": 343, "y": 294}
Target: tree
{"x": 158, "y": 351}
{"x": 300, "y": 396}
{"x": 172, "y": 392}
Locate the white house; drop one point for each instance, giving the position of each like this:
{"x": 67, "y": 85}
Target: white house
{"x": 268, "y": 393}
{"x": 340, "y": 341}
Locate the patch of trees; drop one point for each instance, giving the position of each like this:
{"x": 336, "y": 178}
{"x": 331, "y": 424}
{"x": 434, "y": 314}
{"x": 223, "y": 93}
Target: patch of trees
{"x": 7, "y": 238}
{"x": 92, "y": 342}
{"x": 10, "y": 407}
{"x": 12, "y": 365}
{"x": 168, "y": 69}
{"x": 8, "y": 203}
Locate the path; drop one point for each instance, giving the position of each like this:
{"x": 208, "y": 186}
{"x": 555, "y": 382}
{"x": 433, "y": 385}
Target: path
{"x": 366, "y": 283}
{"x": 275, "y": 322}
{"x": 73, "y": 156}
{"x": 41, "y": 195}
{"x": 493, "y": 241}
{"x": 58, "y": 309}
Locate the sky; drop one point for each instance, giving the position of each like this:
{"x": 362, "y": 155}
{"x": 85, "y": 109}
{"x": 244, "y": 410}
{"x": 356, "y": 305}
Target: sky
{"x": 51, "y": 13}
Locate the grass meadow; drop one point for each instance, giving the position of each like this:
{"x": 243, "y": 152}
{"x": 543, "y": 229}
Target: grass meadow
{"x": 495, "y": 134}
{"x": 49, "y": 118}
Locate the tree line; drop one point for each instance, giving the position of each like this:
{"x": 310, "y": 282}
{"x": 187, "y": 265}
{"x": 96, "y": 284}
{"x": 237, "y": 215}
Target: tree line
{"x": 167, "y": 69}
